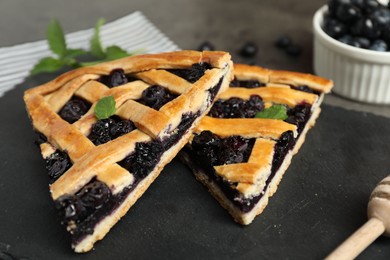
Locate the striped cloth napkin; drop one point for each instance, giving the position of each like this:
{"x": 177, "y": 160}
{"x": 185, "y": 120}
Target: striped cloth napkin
{"x": 132, "y": 32}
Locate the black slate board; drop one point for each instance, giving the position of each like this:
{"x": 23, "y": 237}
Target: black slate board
{"x": 321, "y": 200}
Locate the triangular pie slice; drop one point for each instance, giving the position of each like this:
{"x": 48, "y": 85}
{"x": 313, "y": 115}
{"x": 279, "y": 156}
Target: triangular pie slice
{"x": 241, "y": 159}
{"x": 99, "y": 168}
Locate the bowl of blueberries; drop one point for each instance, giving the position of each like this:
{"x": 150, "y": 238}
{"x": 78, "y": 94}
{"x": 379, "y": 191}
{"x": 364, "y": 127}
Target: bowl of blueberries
{"x": 352, "y": 47}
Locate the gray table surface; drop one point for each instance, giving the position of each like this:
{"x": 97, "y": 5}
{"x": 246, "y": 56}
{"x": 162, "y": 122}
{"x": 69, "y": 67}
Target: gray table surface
{"x": 228, "y": 24}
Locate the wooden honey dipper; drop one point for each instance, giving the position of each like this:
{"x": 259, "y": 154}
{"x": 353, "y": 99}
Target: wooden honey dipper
{"x": 378, "y": 223}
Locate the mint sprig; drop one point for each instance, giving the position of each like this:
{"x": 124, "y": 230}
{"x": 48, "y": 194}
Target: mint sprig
{"x": 273, "y": 112}
{"x": 67, "y": 57}
{"x": 105, "y": 107}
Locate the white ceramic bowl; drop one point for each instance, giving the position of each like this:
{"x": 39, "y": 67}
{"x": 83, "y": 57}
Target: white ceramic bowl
{"x": 359, "y": 74}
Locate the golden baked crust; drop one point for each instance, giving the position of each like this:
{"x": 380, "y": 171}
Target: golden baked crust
{"x": 256, "y": 178}
{"x": 248, "y": 72}
{"x": 90, "y": 162}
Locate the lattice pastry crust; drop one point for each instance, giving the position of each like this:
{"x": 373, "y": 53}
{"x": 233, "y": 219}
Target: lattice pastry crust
{"x": 243, "y": 188}
{"x": 168, "y": 127}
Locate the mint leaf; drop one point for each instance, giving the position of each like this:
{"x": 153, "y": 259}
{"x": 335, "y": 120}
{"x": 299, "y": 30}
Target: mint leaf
{"x": 95, "y": 43}
{"x": 115, "y": 52}
{"x": 72, "y": 53}
{"x": 273, "y": 112}
{"x": 56, "y": 38}
{"x": 48, "y": 64}
{"x": 105, "y": 107}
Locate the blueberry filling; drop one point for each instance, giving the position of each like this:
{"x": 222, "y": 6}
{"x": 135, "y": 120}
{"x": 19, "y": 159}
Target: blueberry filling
{"x": 56, "y": 164}
{"x": 116, "y": 78}
{"x": 155, "y": 97}
{"x": 306, "y": 89}
{"x": 192, "y": 74}
{"x": 74, "y": 109}
{"x": 299, "y": 115}
{"x": 108, "y": 129}
{"x": 95, "y": 201}
{"x": 237, "y": 108}
{"x": 246, "y": 83}
{"x": 81, "y": 206}
{"x": 212, "y": 150}
{"x": 208, "y": 151}
{"x": 142, "y": 161}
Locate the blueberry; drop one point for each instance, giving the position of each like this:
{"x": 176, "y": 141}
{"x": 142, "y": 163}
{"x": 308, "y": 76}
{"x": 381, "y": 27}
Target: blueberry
{"x": 348, "y": 13}
{"x": 283, "y": 41}
{"x": 304, "y": 88}
{"x": 100, "y": 131}
{"x": 299, "y": 115}
{"x": 379, "y": 45}
{"x": 144, "y": 158}
{"x": 333, "y": 5}
{"x": 229, "y": 156}
{"x": 237, "y": 143}
{"x": 293, "y": 50}
{"x": 249, "y": 50}
{"x": 94, "y": 195}
{"x": 56, "y": 164}
{"x": 121, "y": 128}
{"x": 365, "y": 27}
{"x": 246, "y": 83}
{"x": 371, "y": 5}
{"x": 206, "y": 46}
{"x": 346, "y": 38}
{"x": 334, "y": 28}
{"x": 70, "y": 209}
{"x": 155, "y": 97}
{"x": 386, "y": 34}
{"x": 362, "y": 42}
{"x": 117, "y": 77}
{"x": 381, "y": 17}
{"x": 253, "y": 105}
{"x": 192, "y": 74}
{"x": 74, "y": 109}
{"x": 205, "y": 138}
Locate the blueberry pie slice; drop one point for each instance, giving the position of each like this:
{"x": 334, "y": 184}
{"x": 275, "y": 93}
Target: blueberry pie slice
{"x": 100, "y": 162}
{"x": 242, "y": 148}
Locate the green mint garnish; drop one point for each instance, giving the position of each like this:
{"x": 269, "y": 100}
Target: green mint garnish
{"x": 273, "y": 112}
{"x": 56, "y": 38}
{"x": 65, "y": 57}
{"x": 95, "y": 43}
{"x": 105, "y": 107}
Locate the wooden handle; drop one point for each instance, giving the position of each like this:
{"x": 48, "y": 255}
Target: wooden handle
{"x": 359, "y": 240}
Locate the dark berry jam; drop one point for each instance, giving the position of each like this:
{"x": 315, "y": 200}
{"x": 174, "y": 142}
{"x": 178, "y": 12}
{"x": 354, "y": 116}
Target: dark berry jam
{"x": 181, "y": 129}
{"x": 94, "y": 201}
{"x": 208, "y": 150}
{"x": 56, "y": 164}
{"x": 306, "y": 89}
{"x": 246, "y": 83}
{"x": 212, "y": 150}
{"x": 108, "y": 129}
{"x": 192, "y": 74}
{"x": 156, "y": 96}
{"x": 82, "y": 206}
{"x": 299, "y": 115}
{"x": 74, "y": 109}
{"x": 237, "y": 107}
{"x": 116, "y": 78}
{"x": 144, "y": 158}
